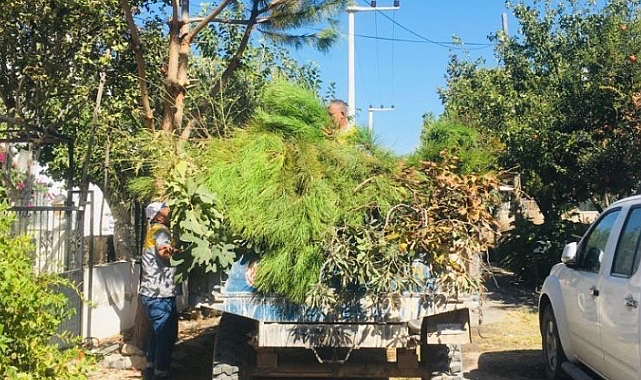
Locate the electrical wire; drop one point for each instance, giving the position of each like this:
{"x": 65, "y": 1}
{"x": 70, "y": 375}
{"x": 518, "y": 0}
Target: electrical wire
{"x": 477, "y": 45}
{"x": 448, "y": 45}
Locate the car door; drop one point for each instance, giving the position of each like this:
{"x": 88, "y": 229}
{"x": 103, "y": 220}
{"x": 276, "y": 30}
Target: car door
{"x": 619, "y": 303}
{"x": 582, "y": 293}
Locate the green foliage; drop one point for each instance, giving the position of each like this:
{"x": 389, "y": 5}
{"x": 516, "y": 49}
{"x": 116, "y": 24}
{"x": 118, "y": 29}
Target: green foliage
{"x": 284, "y": 188}
{"x": 530, "y": 250}
{"x": 445, "y": 221}
{"x": 31, "y": 310}
{"x": 320, "y": 212}
{"x": 200, "y": 230}
{"x": 564, "y": 101}
{"x": 292, "y": 111}
{"x": 197, "y": 223}
{"x": 476, "y": 153}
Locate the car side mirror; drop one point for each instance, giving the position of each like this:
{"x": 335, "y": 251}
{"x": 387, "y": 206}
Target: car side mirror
{"x": 569, "y": 254}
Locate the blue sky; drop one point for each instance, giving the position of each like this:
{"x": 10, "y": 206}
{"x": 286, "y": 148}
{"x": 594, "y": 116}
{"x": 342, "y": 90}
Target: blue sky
{"x": 407, "y": 74}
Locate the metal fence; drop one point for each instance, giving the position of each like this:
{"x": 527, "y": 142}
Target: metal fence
{"x": 57, "y": 237}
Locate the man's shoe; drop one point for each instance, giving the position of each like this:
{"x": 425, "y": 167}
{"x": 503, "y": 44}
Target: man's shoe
{"x": 148, "y": 373}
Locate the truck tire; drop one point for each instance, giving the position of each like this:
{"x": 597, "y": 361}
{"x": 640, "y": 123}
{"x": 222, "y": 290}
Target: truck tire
{"x": 443, "y": 361}
{"x": 552, "y": 349}
{"x": 231, "y": 348}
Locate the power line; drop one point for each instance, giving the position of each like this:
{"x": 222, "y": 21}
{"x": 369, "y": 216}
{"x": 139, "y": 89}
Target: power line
{"x": 447, "y": 45}
{"x": 439, "y": 43}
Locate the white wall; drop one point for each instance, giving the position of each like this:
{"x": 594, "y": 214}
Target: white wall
{"x": 114, "y": 296}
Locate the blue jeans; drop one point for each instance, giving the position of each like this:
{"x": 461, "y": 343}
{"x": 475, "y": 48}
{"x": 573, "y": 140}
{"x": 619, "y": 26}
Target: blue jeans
{"x": 163, "y": 315}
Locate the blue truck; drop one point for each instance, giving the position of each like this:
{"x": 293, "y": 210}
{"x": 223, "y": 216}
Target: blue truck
{"x": 419, "y": 335}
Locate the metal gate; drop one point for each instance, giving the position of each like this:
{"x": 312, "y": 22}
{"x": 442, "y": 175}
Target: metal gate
{"x": 57, "y": 235}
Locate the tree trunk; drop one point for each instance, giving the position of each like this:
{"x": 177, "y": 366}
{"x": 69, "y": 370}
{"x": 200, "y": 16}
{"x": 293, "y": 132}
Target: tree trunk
{"x": 171, "y": 82}
{"x": 148, "y": 114}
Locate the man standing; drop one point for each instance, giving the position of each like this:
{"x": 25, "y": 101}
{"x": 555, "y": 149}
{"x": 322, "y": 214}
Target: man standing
{"x": 338, "y": 111}
{"x": 344, "y": 131}
{"x": 158, "y": 292}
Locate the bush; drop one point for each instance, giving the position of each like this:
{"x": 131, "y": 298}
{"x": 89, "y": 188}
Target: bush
{"x": 530, "y": 250}
{"x": 30, "y": 312}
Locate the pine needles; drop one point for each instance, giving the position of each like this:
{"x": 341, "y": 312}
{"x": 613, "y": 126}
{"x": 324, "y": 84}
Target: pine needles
{"x": 285, "y": 188}
{"x": 328, "y": 219}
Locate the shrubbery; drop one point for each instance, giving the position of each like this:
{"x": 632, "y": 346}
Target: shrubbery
{"x": 30, "y": 312}
{"x": 530, "y": 250}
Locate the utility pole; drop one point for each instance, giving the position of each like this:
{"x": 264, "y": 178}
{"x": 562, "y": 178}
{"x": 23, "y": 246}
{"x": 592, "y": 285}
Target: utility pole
{"x": 504, "y": 23}
{"x": 371, "y": 111}
{"x": 351, "y": 91}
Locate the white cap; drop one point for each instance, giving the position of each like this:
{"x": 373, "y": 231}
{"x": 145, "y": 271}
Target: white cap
{"x": 153, "y": 208}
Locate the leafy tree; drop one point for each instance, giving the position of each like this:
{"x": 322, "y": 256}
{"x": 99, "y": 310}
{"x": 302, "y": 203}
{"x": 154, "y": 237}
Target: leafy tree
{"x": 57, "y": 57}
{"x": 564, "y": 100}
{"x": 274, "y": 18}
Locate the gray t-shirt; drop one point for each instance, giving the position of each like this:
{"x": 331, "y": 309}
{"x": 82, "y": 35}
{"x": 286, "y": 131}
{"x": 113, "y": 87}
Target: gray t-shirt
{"x": 157, "y": 277}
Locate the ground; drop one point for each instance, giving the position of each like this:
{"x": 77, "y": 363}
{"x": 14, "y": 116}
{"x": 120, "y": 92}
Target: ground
{"x": 506, "y": 343}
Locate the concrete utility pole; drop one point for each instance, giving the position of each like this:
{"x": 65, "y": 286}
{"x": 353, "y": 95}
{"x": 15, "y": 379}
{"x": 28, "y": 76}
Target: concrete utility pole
{"x": 370, "y": 112}
{"x": 351, "y": 91}
{"x": 504, "y": 23}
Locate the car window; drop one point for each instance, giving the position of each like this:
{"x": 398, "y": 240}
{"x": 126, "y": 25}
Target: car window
{"x": 593, "y": 245}
{"x": 626, "y": 256}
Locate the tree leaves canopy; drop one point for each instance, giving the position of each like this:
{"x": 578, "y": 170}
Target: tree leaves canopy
{"x": 564, "y": 100}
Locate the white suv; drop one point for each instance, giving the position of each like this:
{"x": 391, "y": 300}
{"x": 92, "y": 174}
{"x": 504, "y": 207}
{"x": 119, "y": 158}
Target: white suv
{"x": 589, "y": 304}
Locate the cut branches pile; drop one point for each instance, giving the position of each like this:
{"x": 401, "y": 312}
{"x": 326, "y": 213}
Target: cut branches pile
{"x": 327, "y": 218}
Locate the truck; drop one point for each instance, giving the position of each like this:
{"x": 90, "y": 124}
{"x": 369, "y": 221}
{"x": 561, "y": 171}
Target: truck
{"x": 589, "y": 303}
{"x": 263, "y": 336}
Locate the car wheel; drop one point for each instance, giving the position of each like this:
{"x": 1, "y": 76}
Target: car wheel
{"x": 552, "y": 349}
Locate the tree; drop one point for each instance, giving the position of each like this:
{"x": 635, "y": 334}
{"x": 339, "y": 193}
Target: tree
{"x": 274, "y": 18}
{"x": 564, "y": 101}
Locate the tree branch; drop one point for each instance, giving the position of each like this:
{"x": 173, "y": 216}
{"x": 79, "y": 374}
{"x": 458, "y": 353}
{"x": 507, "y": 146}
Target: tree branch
{"x": 205, "y": 21}
{"x": 235, "y": 60}
{"x": 140, "y": 64}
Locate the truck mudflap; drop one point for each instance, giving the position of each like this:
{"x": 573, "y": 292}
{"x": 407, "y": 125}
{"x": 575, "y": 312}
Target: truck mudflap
{"x": 450, "y": 327}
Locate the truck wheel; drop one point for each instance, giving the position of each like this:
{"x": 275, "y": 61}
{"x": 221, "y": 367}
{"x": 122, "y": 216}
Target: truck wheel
{"x": 231, "y": 348}
{"x": 443, "y": 361}
{"x": 552, "y": 349}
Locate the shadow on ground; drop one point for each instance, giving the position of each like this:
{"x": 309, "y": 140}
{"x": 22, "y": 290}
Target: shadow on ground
{"x": 193, "y": 356}
{"x": 518, "y": 364}
{"x": 504, "y": 287}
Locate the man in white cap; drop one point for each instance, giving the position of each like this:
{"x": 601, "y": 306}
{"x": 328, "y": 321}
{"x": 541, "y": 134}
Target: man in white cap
{"x": 158, "y": 292}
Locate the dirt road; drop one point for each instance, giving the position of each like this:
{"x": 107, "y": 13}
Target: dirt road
{"x": 506, "y": 344}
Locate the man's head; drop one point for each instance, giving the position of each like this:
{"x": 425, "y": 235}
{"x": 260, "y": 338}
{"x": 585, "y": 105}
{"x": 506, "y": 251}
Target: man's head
{"x": 338, "y": 111}
{"x": 157, "y": 212}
